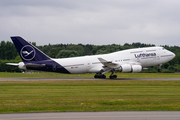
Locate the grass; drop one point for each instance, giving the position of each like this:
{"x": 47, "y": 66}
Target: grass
{"x": 59, "y": 75}
{"x": 89, "y": 95}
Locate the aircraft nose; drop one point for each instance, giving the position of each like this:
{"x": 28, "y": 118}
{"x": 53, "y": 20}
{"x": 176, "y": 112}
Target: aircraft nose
{"x": 172, "y": 55}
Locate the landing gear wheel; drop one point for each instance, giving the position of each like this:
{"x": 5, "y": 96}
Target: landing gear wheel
{"x": 113, "y": 76}
{"x": 103, "y": 76}
{"x": 100, "y": 76}
{"x": 159, "y": 70}
{"x": 95, "y": 76}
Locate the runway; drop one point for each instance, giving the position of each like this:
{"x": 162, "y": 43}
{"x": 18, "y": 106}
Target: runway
{"x": 27, "y": 79}
{"x": 135, "y": 115}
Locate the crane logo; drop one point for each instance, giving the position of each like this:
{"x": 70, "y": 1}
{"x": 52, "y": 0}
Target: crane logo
{"x": 28, "y": 52}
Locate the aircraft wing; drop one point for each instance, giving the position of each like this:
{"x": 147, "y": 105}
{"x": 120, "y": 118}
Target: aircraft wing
{"x": 108, "y": 65}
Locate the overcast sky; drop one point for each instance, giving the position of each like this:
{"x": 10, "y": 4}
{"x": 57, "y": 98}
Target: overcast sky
{"x": 98, "y": 22}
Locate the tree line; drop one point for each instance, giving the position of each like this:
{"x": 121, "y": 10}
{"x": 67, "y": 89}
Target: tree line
{"x": 8, "y": 53}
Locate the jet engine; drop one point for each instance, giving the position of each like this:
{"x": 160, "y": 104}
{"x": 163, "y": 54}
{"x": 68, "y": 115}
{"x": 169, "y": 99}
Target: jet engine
{"x": 136, "y": 68}
{"x": 125, "y": 68}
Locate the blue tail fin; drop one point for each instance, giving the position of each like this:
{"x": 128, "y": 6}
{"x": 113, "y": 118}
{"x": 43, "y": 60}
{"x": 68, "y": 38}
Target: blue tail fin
{"x": 27, "y": 51}
{"x": 34, "y": 59}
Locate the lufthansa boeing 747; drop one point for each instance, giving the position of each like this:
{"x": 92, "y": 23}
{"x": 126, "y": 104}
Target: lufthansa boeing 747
{"x": 132, "y": 60}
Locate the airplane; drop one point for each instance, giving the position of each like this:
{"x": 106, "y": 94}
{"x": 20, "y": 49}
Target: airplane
{"x": 125, "y": 61}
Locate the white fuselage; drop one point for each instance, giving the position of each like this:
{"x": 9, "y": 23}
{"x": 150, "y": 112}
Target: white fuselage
{"x": 145, "y": 57}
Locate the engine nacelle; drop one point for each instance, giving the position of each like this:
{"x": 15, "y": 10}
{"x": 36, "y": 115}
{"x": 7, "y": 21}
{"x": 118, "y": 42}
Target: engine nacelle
{"x": 22, "y": 66}
{"x": 136, "y": 68}
{"x": 125, "y": 68}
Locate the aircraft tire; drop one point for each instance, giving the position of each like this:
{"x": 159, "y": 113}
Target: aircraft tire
{"x": 103, "y": 76}
{"x": 113, "y": 76}
{"x": 159, "y": 70}
{"x": 95, "y": 76}
{"x": 100, "y": 76}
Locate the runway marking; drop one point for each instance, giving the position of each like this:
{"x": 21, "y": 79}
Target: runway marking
{"x": 129, "y": 116}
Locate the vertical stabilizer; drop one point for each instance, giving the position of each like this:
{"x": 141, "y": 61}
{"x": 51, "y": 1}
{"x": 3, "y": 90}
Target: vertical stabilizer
{"x": 34, "y": 59}
{"x": 27, "y": 51}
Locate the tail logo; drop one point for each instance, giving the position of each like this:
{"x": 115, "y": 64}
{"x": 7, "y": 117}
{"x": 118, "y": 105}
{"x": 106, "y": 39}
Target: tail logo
{"x": 28, "y": 52}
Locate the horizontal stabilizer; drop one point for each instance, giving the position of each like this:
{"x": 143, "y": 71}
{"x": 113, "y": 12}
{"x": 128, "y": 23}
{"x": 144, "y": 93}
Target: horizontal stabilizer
{"x": 15, "y": 64}
{"x": 35, "y": 65}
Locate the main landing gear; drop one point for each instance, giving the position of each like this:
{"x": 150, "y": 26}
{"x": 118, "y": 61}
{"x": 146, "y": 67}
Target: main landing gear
{"x": 159, "y": 70}
{"x": 100, "y": 76}
{"x": 112, "y": 76}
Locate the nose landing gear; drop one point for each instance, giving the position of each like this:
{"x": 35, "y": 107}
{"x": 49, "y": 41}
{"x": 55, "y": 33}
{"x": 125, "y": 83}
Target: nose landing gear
{"x": 159, "y": 70}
